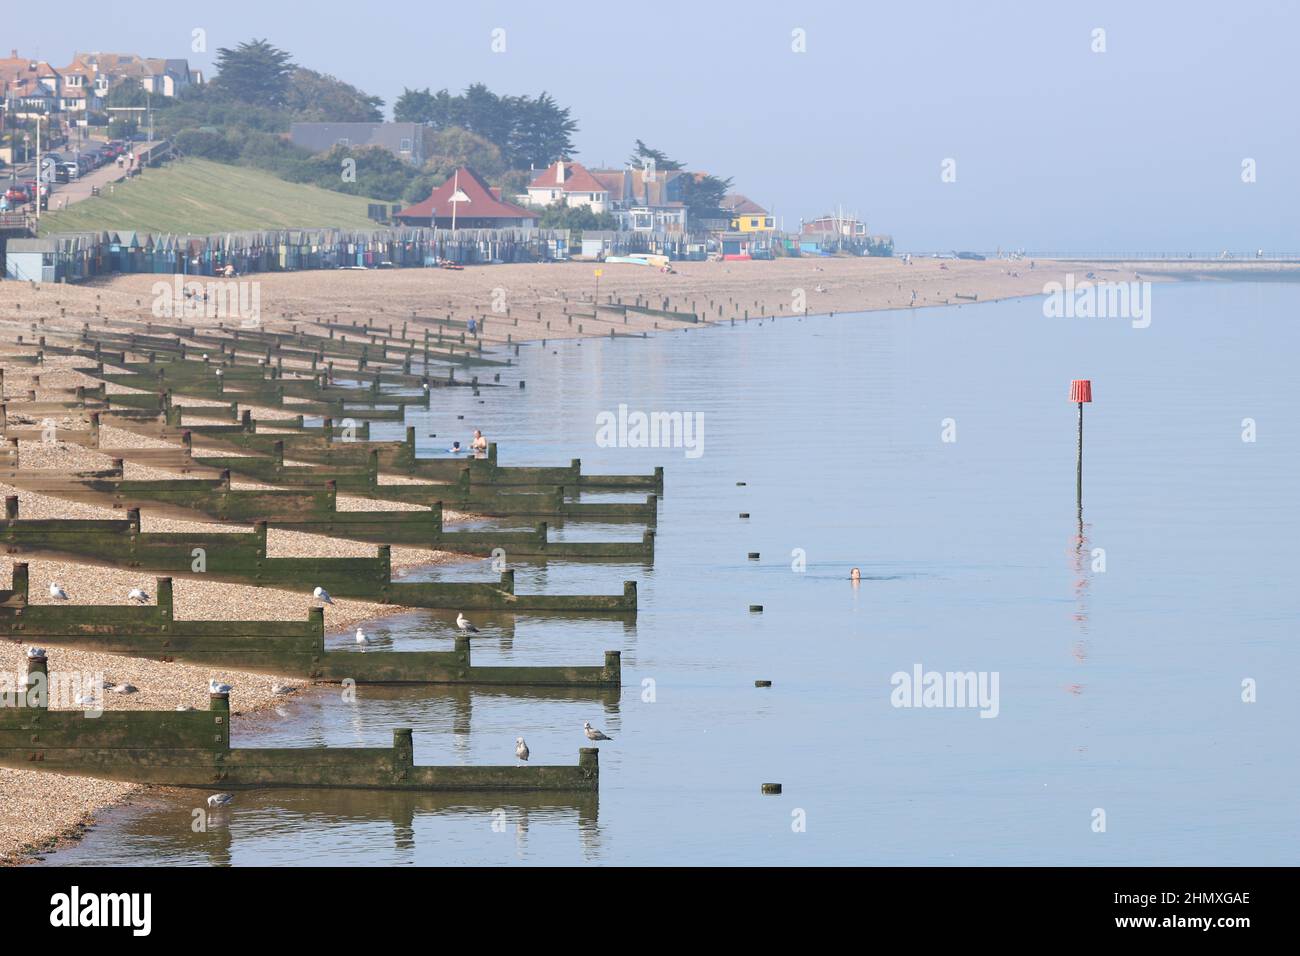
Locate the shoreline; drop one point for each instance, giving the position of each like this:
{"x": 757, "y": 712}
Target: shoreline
{"x": 540, "y": 300}
{"x": 522, "y": 302}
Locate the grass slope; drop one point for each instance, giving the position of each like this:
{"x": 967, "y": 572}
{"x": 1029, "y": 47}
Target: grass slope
{"x": 198, "y": 196}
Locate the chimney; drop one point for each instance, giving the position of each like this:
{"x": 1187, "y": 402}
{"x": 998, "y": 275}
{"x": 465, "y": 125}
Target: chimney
{"x": 559, "y": 172}
{"x": 13, "y": 54}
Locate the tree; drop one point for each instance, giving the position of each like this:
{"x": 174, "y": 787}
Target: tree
{"x": 644, "y": 152}
{"x": 319, "y": 97}
{"x": 455, "y": 146}
{"x": 254, "y": 72}
{"x": 414, "y": 106}
{"x": 128, "y": 93}
{"x": 575, "y": 218}
{"x": 527, "y": 130}
{"x": 703, "y": 195}
{"x": 542, "y": 132}
{"x": 487, "y": 114}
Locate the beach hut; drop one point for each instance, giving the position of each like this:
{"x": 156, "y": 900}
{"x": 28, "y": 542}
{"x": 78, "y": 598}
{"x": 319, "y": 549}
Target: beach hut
{"x": 32, "y": 260}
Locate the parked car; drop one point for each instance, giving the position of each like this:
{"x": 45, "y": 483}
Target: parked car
{"x": 70, "y": 171}
{"x": 17, "y": 195}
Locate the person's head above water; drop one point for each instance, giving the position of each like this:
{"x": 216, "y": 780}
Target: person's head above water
{"x": 855, "y": 574}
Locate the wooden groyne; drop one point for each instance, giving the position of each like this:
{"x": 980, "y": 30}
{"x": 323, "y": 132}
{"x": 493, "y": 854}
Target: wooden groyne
{"x": 295, "y": 648}
{"x": 241, "y": 558}
{"x": 341, "y": 378}
{"x": 192, "y": 749}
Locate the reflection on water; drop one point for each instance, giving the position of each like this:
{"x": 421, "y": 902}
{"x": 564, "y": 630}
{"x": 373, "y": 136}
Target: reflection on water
{"x": 345, "y": 828}
{"x": 834, "y": 427}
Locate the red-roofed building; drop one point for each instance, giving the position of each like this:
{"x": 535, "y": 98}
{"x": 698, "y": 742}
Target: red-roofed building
{"x": 569, "y": 184}
{"x": 468, "y": 202}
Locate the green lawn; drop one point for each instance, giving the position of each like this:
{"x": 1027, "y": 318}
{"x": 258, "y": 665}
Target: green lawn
{"x": 199, "y": 197}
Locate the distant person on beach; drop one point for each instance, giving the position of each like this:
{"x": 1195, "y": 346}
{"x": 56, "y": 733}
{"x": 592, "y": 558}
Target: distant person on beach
{"x": 479, "y": 443}
{"x": 473, "y": 327}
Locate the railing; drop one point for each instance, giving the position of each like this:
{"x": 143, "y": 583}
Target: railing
{"x": 17, "y": 222}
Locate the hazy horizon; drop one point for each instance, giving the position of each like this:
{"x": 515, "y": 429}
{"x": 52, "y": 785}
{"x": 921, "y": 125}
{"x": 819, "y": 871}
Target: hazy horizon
{"x": 1057, "y": 148}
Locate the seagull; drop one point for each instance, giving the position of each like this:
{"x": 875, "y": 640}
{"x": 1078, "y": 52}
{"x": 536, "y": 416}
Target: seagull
{"x": 463, "y": 623}
{"x": 216, "y": 687}
{"x": 281, "y": 689}
{"x": 219, "y": 799}
{"x": 85, "y": 700}
{"x": 320, "y": 594}
{"x": 124, "y": 689}
{"x": 521, "y": 749}
{"x": 139, "y": 596}
{"x": 361, "y": 637}
{"x": 34, "y": 652}
{"x": 57, "y": 592}
{"x": 592, "y": 733}
{"x": 184, "y": 707}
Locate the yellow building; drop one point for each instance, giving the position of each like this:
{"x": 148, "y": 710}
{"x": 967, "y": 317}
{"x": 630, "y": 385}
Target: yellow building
{"x": 747, "y": 215}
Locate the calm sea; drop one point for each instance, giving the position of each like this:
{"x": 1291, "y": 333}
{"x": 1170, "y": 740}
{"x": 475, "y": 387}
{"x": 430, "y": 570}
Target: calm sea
{"x": 1121, "y": 647}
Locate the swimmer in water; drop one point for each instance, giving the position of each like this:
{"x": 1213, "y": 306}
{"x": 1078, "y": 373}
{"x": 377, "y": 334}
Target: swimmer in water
{"x": 855, "y": 575}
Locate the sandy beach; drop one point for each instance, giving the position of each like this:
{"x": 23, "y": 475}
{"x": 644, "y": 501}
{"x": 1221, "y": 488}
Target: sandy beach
{"x": 518, "y": 303}
{"x": 519, "y": 300}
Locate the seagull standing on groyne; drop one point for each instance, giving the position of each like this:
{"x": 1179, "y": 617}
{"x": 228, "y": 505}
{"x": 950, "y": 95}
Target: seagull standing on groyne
{"x": 521, "y": 749}
{"x": 57, "y": 592}
{"x": 139, "y": 595}
{"x": 592, "y": 733}
{"x": 320, "y": 594}
{"x": 361, "y": 637}
{"x": 463, "y": 623}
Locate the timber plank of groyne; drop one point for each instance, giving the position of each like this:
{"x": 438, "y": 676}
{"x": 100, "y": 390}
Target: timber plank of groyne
{"x": 295, "y": 648}
{"x": 241, "y": 558}
{"x": 314, "y": 511}
{"x": 400, "y": 457}
{"x": 192, "y": 749}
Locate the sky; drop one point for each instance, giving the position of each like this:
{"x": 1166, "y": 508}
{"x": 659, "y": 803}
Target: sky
{"x": 948, "y": 125}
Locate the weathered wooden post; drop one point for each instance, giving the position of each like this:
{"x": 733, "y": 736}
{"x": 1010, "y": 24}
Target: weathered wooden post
{"x": 20, "y": 583}
{"x": 37, "y": 683}
{"x": 163, "y": 589}
{"x": 403, "y": 754}
{"x": 219, "y": 708}
{"x": 11, "y": 513}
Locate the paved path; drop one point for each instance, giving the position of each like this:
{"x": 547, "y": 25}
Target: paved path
{"x": 65, "y": 194}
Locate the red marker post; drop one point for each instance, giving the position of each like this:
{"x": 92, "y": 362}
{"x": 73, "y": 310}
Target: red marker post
{"x": 1080, "y": 394}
